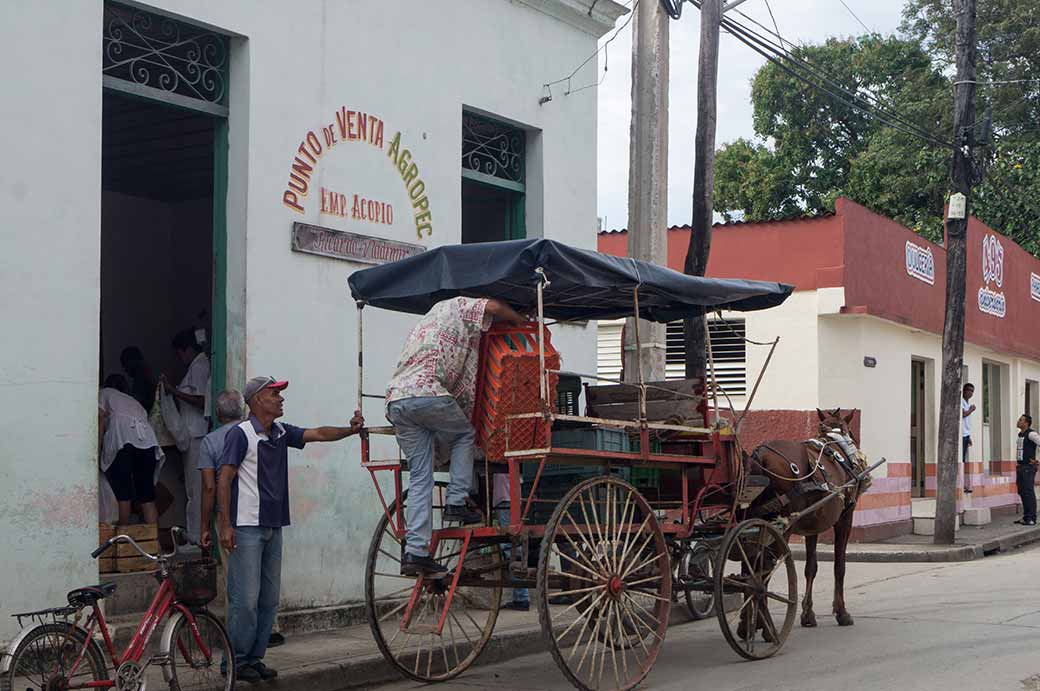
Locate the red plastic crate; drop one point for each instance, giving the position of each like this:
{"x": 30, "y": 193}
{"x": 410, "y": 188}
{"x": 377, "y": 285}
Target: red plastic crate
{"x": 507, "y": 384}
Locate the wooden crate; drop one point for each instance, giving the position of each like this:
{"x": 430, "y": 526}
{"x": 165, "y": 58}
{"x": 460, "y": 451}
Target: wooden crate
{"x": 133, "y": 564}
{"x": 124, "y": 549}
{"x": 106, "y": 564}
{"x": 105, "y": 532}
{"x": 141, "y": 531}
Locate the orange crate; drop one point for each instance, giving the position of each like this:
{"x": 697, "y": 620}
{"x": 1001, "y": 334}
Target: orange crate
{"x": 507, "y": 384}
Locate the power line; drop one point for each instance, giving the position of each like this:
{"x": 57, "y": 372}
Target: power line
{"x": 803, "y": 64}
{"x": 865, "y": 27}
{"x": 811, "y": 75}
{"x": 603, "y": 48}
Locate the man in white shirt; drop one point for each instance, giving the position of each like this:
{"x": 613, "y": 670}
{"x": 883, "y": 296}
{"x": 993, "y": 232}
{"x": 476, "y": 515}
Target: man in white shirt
{"x": 966, "y": 410}
{"x": 191, "y": 394}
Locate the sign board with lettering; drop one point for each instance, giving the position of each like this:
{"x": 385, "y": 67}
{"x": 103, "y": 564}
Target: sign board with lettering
{"x": 1034, "y": 286}
{"x": 920, "y": 263}
{"x": 991, "y": 300}
{"x": 349, "y": 246}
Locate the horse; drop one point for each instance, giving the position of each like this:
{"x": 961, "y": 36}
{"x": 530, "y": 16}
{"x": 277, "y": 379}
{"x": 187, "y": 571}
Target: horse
{"x": 803, "y": 472}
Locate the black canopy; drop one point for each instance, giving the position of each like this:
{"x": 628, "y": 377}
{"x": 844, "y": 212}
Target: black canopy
{"x": 582, "y": 284}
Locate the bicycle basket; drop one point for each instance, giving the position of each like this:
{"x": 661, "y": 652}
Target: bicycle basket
{"x": 195, "y": 581}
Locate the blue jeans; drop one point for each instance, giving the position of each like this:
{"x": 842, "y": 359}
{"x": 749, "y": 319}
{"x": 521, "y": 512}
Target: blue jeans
{"x": 419, "y": 422}
{"x": 254, "y": 574}
{"x": 502, "y": 516}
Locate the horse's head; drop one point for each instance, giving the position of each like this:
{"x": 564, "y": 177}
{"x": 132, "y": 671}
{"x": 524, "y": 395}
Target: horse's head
{"x": 832, "y": 420}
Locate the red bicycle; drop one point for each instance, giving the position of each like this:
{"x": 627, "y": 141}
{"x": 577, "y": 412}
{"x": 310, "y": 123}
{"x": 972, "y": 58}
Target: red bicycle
{"x": 59, "y": 652}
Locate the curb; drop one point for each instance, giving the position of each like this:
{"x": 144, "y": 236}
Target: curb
{"x": 930, "y": 554}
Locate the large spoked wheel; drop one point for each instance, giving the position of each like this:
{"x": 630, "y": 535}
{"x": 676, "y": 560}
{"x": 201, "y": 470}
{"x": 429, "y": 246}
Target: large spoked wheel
{"x": 695, "y": 573}
{"x": 416, "y": 650}
{"x": 605, "y": 559}
{"x": 54, "y": 656}
{"x": 200, "y": 655}
{"x": 756, "y": 589}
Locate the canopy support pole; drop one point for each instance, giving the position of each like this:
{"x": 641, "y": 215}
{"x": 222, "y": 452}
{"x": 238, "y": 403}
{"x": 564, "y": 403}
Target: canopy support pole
{"x": 360, "y": 357}
{"x": 543, "y": 384}
{"x": 711, "y": 366}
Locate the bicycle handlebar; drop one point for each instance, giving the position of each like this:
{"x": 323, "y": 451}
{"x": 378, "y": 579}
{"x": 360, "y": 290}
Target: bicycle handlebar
{"x": 174, "y": 532}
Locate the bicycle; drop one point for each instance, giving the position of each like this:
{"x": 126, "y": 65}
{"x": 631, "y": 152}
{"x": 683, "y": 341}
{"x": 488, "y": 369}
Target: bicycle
{"x": 59, "y": 654}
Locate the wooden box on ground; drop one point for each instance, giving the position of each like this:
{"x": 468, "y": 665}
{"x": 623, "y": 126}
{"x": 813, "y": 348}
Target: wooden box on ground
{"x": 123, "y": 558}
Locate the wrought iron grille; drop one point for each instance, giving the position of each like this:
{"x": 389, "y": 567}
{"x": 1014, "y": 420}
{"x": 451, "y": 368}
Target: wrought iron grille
{"x": 165, "y": 54}
{"x": 493, "y": 148}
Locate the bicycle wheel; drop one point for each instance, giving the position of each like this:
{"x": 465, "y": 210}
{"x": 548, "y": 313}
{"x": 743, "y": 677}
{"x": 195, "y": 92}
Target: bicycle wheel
{"x": 696, "y": 579}
{"x": 47, "y": 659}
{"x": 417, "y": 651}
{"x": 200, "y": 655}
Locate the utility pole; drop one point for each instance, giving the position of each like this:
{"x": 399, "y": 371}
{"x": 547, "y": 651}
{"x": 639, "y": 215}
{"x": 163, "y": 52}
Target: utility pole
{"x": 648, "y": 176}
{"x": 961, "y": 177}
{"x": 695, "y": 330}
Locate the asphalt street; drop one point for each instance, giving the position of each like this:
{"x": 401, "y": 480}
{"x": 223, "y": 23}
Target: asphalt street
{"x": 968, "y": 625}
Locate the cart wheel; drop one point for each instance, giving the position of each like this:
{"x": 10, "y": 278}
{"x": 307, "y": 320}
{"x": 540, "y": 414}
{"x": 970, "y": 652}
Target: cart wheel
{"x": 604, "y": 556}
{"x": 419, "y": 652}
{"x": 695, "y": 573}
{"x": 756, "y": 571}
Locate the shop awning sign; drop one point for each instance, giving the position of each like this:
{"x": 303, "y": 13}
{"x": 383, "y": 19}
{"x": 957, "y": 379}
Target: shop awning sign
{"x": 337, "y": 244}
{"x": 920, "y": 263}
{"x": 991, "y": 299}
{"x": 1034, "y": 286}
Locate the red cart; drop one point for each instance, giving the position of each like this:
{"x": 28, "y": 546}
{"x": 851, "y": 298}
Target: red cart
{"x": 614, "y": 513}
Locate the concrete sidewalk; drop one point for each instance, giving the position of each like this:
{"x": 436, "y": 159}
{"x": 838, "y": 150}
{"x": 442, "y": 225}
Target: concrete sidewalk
{"x": 972, "y": 542}
{"x": 347, "y": 658}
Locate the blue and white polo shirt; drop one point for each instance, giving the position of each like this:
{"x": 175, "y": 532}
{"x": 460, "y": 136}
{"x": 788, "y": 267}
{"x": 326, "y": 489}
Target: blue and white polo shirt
{"x": 260, "y": 490}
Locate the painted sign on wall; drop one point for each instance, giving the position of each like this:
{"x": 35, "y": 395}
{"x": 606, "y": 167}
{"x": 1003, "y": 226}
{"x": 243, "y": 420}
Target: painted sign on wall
{"x": 920, "y": 263}
{"x": 992, "y": 301}
{"x": 349, "y": 246}
{"x": 1034, "y": 286}
{"x": 356, "y": 126}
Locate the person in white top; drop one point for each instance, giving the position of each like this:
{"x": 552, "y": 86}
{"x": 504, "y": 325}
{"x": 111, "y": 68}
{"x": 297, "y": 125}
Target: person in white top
{"x": 130, "y": 455}
{"x": 966, "y": 410}
{"x": 192, "y": 395}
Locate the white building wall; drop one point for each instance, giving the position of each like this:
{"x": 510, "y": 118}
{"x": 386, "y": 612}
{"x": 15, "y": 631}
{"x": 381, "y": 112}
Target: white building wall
{"x": 49, "y": 276}
{"x": 294, "y": 64}
{"x": 415, "y": 66}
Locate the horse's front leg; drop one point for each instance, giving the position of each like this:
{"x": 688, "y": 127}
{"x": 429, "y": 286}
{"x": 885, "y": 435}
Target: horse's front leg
{"x": 811, "y": 566}
{"x": 842, "y": 533}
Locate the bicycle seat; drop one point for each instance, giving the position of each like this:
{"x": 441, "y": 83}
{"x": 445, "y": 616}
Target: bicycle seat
{"x": 90, "y": 594}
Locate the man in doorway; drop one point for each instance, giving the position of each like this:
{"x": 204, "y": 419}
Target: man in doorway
{"x": 430, "y": 396}
{"x": 191, "y": 394}
{"x": 253, "y": 488}
{"x": 1025, "y": 474}
{"x": 966, "y": 410}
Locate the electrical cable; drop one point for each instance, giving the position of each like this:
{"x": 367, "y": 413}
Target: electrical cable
{"x": 865, "y": 27}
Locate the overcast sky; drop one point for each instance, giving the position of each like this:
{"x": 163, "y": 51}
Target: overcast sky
{"x": 798, "y": 20}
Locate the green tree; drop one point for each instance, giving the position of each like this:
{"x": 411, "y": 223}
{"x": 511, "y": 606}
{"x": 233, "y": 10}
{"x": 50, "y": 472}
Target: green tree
{"x": 820, "y": 147}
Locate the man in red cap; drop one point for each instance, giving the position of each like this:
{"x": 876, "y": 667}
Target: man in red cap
{"x": 254, "y": 507}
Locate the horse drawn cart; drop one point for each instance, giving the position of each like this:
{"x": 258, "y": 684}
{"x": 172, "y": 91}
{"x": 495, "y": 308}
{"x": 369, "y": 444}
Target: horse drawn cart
{"x": 613, "y": 514}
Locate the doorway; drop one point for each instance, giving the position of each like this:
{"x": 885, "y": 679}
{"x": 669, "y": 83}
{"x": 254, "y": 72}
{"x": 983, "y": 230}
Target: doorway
{"x": 918, "y": 427}
{"x": 1032, "y": 402}
{"x": 160, "y": 250}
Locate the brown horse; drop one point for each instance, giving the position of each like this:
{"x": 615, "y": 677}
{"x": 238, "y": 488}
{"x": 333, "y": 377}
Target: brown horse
{"x": 800, "y": 474}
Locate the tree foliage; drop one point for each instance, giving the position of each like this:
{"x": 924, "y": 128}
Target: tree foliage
{"x": 811, "y": 147}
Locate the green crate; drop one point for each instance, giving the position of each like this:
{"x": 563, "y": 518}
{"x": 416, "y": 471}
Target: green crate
{"x": 645, "y": 477}
{"x": 568, "y": 391}
{"x": 592, "y": 438}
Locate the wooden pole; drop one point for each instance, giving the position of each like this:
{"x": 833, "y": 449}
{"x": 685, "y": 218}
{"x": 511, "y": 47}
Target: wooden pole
{"x": 695, "y": 332}
{"x": 956, "y": 263}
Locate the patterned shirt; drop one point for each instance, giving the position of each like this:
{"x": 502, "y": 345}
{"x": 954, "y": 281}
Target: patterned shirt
{"x": 440, "y": 356}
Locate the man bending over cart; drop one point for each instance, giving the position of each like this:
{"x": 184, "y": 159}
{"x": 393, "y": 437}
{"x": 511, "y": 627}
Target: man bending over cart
{"x": 429, "y": 397}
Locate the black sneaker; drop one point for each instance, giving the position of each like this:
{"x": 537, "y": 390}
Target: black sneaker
{"x": 413, "y": 565}
{"x": 462, "y": 514}
{"x": 248, "y": 673}
{"x": 517, "y": 606}
{"x": 265, "y": 672}
{"x": 275, "y": 640}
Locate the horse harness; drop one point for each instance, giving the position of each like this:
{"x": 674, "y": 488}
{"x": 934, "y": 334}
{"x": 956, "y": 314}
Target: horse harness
{"x": 837, "y": 446}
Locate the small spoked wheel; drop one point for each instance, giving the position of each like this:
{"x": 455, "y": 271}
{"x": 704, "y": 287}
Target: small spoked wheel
{"x": 605, "y": 585}
{"x": 415, "y": 647}
{"x": 54, "y": 656}
{"x": 756, "y": 589}
{"x": 695, "y": 571}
